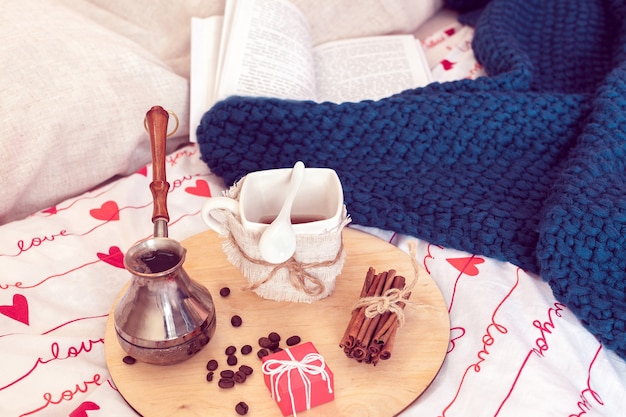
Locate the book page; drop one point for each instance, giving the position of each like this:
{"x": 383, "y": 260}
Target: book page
{"x": 205, "y": 40}
{"x": 268, "y": 53}
{"x": 224, "y": 39}
{"x": 369, "y": 68}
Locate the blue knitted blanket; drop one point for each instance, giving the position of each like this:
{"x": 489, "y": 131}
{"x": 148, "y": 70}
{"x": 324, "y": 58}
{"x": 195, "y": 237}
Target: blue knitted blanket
{"x": 526, "y": 165}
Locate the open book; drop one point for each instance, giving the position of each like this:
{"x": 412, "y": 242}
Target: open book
{"x": 264, "y": 48}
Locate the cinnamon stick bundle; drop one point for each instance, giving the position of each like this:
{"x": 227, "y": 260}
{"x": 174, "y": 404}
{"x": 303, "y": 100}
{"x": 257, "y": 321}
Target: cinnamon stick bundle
{"x": 370, "y": 334}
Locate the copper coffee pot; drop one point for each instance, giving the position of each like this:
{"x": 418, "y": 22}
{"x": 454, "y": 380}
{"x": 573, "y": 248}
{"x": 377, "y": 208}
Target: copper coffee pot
{"x": 164, "y": 317}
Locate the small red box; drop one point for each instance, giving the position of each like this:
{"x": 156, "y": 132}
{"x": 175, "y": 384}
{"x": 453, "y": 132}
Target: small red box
{"x": 298, "y": 378}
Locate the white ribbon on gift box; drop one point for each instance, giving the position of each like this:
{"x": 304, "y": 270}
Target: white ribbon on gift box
{"x": 276, "y": 369}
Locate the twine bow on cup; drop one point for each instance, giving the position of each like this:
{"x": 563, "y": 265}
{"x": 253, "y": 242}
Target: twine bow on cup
{"x": 277, "y": 368}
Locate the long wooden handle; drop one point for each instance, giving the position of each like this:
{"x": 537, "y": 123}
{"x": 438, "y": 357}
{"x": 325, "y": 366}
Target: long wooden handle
{"x": 156, "y": 120}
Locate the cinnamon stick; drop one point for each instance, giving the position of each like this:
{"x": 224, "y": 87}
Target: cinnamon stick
{"x": 348, "y": 341}
{"x": 369, "y": 324}
{"x": 386, "y": 352}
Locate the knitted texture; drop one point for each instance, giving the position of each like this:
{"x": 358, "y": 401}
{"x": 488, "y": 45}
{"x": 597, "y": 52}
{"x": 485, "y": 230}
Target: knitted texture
{"x": 526, "y": 165}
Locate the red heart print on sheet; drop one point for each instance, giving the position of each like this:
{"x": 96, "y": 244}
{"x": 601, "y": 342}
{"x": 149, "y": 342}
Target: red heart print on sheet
{"x": 450, "y": 31}
{"x": 447, "y": 65}
{"x": 143, "y": 171}
{"x": 201, "y": 189}
{"x": 18, "y": 311}
{"x": 108, "y": 211}
{"x": 50, "y": 210}
{"x": 466, "y": 265}
{"x": 82, "y": 409}
{"x": 115, "y": 257}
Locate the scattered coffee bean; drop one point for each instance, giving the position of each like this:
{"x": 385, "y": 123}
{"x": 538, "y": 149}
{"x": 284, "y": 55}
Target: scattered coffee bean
{"x": 293, "y": 340}
{"x": 240, "y": 377}
{"x": 129, "y": 360}
{"x": 225, "y": 291}
{"x": 226, "y": 383}
{"x": 246, "y": 349}
{"x": 227, "y": 373}
{"x": 265, "y": 342}
{"x": 211, "y": 365}
{"x": 241, "y": 408}
{"x": 231, "y": 360}
{"x": 230, "y": 350}
{"x": 209, "y": 376}
{"x": 274, "y": 337}
{"x": 262, "y": 352}
{"x": 236, "y": 321}
{"x": 246, "y": 369}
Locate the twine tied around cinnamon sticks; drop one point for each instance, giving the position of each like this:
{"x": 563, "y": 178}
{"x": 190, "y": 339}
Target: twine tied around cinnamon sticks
{"x": 377, "y": 315}
{"x": 392, "y": 301}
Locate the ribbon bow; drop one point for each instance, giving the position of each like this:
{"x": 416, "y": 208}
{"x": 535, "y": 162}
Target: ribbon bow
{"x": 277, "y": 368}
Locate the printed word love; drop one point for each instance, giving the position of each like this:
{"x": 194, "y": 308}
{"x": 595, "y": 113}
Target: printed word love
{"x": 25, "y": 246}
{"x": 173, "y": 159}
{"x": 68, "y": 395}
{"x": 546, "y": 328}
{"x": 588, "y": 396}
{"x": 58, "y": 354}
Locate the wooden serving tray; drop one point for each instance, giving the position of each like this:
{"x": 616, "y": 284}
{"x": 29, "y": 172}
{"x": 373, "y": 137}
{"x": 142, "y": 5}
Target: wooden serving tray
{"x": 360, "y": 389}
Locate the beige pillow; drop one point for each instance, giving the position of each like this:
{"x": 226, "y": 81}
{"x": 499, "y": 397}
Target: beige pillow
{"x": 77, "y": 80}
{"x": 79, "y": 76}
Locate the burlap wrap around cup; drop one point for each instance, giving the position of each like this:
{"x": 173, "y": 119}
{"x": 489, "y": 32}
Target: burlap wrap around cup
{"x": 309, "y": 275}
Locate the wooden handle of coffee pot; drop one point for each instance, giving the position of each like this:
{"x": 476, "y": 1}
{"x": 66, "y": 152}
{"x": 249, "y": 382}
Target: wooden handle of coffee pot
{"x": 156, "y": 121}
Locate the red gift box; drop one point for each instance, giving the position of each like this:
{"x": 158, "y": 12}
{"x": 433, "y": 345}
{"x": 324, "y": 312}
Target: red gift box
{"x": 298, "y": 378}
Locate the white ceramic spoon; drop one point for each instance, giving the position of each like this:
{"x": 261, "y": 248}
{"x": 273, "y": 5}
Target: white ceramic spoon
{"x": 278, "y": 241}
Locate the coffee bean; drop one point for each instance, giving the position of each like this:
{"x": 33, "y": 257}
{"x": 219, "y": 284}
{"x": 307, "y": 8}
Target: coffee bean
{"x": 241, "y": 408}
{"x": 129, "y": 360}
{"x": 293, "y": 340}
{"x": 231, "y": 360}
{"x": 265, "y": 342}
{"x": 245, "y": 349}
{"x": 274, "y": 337}
{"x": 211, "y": 365}
{"x": 227, "y": 373}
{"x": 262, "y": 352}
{"x": 240, "y": 377}
{"x": 230, "y": 350}
{"x": 225, "y": 292}
{"x": 246, "y": 369}
{"x": 209, "y": 376}
{"x": 236, "y": 321}
{"x": 226, "y": 383}
{"x": 278, "y": 349}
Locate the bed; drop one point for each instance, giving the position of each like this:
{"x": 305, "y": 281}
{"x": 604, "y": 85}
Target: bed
{"x": 78, "y": 78}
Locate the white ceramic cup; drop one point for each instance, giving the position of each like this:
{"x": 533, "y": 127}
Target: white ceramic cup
{"x": 318, "y": 205}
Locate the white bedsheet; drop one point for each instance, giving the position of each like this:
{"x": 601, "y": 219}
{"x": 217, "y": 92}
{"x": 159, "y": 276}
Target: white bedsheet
{"x": 514, "y": 349}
